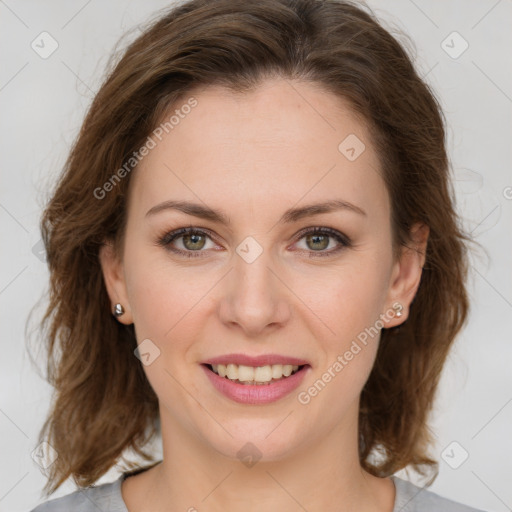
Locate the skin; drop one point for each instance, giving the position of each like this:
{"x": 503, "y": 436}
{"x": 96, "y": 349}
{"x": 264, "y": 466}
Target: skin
{"x": 253, "y": 156}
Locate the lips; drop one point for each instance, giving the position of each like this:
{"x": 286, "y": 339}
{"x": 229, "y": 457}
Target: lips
{"x": 251, "y": 392}
{"x": 262, "y": 360}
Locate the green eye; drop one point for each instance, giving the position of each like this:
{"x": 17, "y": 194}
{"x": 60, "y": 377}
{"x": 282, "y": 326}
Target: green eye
{"x": 194, "y": 240}
{"x": 318, "y": 239}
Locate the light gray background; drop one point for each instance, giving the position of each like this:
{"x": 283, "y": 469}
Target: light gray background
{"x": 43, "y": 101}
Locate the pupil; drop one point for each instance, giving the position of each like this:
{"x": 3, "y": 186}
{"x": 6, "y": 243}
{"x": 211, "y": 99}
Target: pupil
{"x": 194, "y": 238}
{"x": 315, "y": 240}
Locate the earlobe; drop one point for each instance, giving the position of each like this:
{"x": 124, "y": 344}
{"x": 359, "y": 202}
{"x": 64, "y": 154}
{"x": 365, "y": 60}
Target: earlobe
{"x": 407, "y": 272}
{"x": 113, "y": 276}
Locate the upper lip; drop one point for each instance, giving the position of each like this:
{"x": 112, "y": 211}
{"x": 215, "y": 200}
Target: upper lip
{"x": 262, "y": 360}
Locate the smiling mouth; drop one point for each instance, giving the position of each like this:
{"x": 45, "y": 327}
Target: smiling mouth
{"x": 255, "y": 375}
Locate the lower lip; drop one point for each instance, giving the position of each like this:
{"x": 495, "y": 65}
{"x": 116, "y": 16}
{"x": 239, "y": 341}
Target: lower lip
{"x": 256, "y": 394}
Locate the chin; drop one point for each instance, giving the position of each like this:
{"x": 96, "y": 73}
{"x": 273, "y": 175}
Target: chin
{"x": 257, "y": 439}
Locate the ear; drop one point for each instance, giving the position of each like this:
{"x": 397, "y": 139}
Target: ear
{"x": 113, "y": 275}
{"x": 407, "y": 271}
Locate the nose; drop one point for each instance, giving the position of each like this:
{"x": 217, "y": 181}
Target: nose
{"x": 255, "y": 298}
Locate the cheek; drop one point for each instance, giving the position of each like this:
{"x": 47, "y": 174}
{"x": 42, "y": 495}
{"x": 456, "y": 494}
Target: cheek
{"x": 152, "y": 291}
{"x": 162, "y": 297}
{"x": 349, "y": 305}
{"x": 349, "y": 301}
{"x": 348, "y": 298}
{"x": 167, "y": 303}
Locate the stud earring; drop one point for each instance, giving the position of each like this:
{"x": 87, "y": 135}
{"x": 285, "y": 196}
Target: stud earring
{"x": 118, "y": 310}
{"x": 398, "y": 309}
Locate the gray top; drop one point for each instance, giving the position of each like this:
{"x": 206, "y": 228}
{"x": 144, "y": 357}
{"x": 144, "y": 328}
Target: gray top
{"x": 108, "y": 498}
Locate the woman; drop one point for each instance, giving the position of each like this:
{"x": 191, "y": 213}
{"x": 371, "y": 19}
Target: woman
{"x": 254, "y": 252}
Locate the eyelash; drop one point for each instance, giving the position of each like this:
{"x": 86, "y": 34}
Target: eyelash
{"x": 168, "y": 238}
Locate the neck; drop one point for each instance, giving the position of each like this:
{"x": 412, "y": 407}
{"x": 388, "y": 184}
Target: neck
{"x": 325, "y": 474}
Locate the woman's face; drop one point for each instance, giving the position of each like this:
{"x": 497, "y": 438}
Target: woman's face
{"x": 250, "y": 280}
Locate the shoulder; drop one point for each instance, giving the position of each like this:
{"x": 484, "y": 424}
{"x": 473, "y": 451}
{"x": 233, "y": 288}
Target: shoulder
{"x": 411, "y": 498}
{"x": 104, "y": 498}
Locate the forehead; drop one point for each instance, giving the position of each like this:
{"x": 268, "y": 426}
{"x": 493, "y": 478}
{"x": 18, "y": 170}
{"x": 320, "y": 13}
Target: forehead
{"x": 280, "y": 142}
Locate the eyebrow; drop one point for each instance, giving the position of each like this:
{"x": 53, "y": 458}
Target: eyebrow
{"x": 292, "y": 215}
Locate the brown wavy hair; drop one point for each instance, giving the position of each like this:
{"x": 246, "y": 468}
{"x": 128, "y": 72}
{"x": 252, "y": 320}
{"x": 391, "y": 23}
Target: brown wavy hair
{"x": 102, "y": 403}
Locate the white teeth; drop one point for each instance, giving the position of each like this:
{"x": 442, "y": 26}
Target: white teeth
{"x": 261, "y": 374}
{"x": 245, "y": 373}
{"x": 287, "y": 370}
{"x": 251, "y": 374}
{"x": 232, "y": 371}
{"x": 277, "y": 371}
